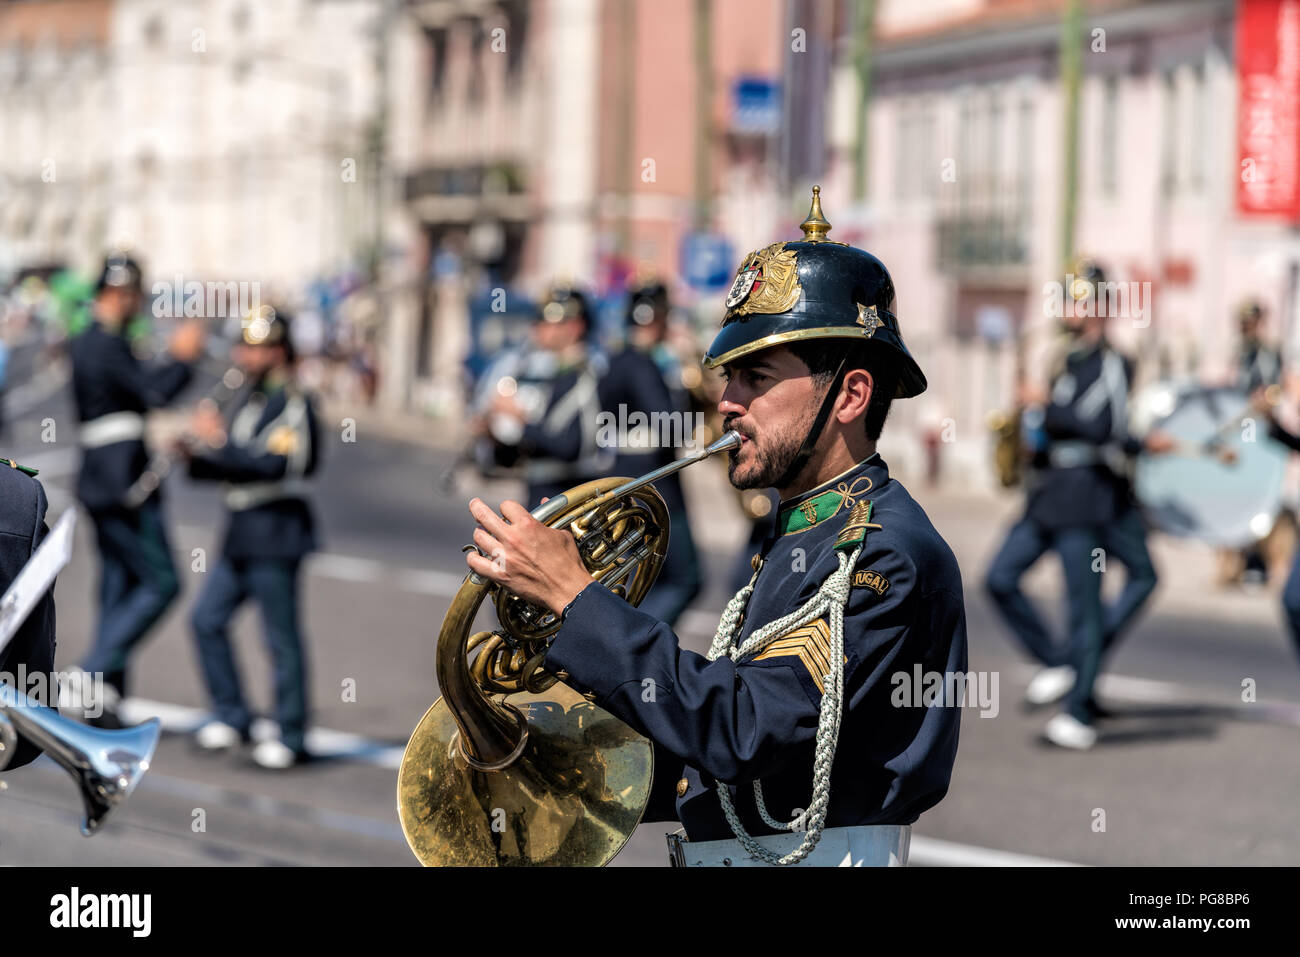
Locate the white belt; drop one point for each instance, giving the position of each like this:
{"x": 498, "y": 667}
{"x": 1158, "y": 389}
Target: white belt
{"x": 248, "y": 495}
{"x": 865, "y": 845}
{"x": 114, "y": 427}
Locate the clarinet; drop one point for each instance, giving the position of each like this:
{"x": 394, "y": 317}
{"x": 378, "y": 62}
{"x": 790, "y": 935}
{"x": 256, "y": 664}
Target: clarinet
{"x": 161, "y": 463}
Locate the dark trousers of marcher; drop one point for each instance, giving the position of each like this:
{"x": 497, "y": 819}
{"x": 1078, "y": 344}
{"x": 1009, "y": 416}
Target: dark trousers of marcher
{"x": 679, "y": 580}
{"x": 136, "y": 585}
{"x": 273, "y": 584}
{"x": 1123, "y": 540}
{"x": 1291, "y": 601}
{"x": 1082, "y": 563}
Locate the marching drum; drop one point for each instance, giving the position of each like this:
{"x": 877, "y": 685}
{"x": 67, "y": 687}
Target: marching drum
{"x": 1223, "y": 485}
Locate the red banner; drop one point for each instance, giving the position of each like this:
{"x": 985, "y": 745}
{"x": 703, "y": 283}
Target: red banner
{"x": 1268, "y": 108}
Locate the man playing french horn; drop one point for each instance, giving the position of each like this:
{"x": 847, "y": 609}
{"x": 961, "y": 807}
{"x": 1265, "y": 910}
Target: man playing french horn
{"x": 797, "y": 719}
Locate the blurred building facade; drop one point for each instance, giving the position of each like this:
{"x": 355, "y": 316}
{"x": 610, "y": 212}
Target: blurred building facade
{"x": 573, "y": 139}
{"x": 55, "y": 79}
{"x": 473, "y": 146}
{"x": 966, "y": 143}
{"x": 220, "y": 139}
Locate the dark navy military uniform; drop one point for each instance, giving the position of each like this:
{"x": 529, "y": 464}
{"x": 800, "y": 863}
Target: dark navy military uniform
{"x": 636, "y": 383}
{"x": 272, "y": 447}
{"x": 138, "y": 580}
{"x": 22, "y": 529}
{"x": 1258, "y": 365}
{"x": 558, "y": 441}
{"x": 1079, "y": 500}
{"x": 1291, "y": 591}
{"x": 756, "y": 720}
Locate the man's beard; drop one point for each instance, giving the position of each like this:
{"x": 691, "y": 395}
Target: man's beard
{"x": 772, "y": 458}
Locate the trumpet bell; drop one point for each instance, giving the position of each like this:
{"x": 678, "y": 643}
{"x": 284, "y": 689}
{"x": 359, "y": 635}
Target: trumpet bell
{"x": 110, "y": 771}
{"x": 572, "y": 798}
{"x": 107, "y": 764}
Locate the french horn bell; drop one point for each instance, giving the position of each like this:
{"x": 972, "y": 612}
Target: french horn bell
{"x": 511, "y": 766}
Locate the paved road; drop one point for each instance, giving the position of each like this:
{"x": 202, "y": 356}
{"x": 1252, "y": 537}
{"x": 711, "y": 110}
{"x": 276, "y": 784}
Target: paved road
{"x": 1188, "y": 774}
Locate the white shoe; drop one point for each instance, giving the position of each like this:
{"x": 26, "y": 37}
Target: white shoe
{"x": 1050, "y": 685}
{"x": 274, "y": 755}
{"x": 217, "y": 736}
{"x": 74, "y": 691}
{"x": 88, "y": 699}
{"x": 1068, "y": 732}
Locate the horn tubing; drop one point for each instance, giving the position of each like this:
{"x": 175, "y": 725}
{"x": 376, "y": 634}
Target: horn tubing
{"x": 492, "y": 735}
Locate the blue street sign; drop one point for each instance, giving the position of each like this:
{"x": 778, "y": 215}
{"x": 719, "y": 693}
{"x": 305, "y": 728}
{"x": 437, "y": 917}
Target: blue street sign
{"x": 706, "y": 261}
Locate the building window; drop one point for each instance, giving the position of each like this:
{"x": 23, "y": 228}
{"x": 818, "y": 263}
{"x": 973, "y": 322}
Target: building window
{"x": 904, "y": 159}
{"x": 927, "y": 163}
{"x": 993, "y": 154}
{"x": 1025, "y": 151}
{"x": 153, "y": 31}
{"x": 1198, "y": 127}
{"x": 437, "y": 40}
{"x": 1110, "y": 137}
{"x": 1169, "y": 133}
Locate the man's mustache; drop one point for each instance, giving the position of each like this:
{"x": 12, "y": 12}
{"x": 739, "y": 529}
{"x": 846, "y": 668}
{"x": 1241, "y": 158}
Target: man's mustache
{"x": 730, "y": 424}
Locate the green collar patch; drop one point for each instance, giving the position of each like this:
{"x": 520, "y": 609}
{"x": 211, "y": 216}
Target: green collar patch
{"x": 800, "y": 516}
{"x": 809, "y": 512}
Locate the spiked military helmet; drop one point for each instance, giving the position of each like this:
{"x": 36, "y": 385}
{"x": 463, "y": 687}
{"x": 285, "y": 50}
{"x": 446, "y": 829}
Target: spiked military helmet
{"x": 267, "y": 326}
{"x": 814, "y": 288}
{"x": 1085, "y": 276}
{"x": 120, "y": 271}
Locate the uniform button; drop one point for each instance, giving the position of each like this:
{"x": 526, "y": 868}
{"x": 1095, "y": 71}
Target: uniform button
{"x": 682, "y": 787}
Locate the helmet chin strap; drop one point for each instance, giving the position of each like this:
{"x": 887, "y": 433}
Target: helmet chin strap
{"x": 810, "y": 440}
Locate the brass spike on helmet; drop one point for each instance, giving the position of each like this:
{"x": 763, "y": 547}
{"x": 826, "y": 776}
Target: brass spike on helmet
{"x": 815, "y": 227}
{"x": 264, "y": 327}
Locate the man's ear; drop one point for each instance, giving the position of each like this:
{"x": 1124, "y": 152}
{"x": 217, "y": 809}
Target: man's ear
{"x": 856, "y": 392}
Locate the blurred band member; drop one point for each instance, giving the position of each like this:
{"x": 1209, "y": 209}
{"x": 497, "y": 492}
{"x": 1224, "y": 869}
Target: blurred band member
{"x": 1079, "y": 503}
{"x": 113, "y": 389}
{"x": 547, "y": 405}
{"x": 1258, "y": 364}
{"x": 1265, "y": 405}
{"x": 31, "y": 650}
{"x": 644, "y": 386}
{"x": 262, "y": 454}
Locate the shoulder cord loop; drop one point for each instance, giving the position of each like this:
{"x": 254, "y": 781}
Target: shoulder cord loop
{"x": 830, "y": 601}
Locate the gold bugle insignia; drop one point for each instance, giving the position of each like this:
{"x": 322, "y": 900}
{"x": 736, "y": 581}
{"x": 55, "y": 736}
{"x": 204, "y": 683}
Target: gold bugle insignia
{"x": 283, "y": 441}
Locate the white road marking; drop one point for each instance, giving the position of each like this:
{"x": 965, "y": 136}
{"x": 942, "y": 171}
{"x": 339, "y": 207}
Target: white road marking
{"x": 1140, "y": 689}
{"x": 37, "y": 389}
{"x": 932, "y": 852}
{"x": 321, "y": 742}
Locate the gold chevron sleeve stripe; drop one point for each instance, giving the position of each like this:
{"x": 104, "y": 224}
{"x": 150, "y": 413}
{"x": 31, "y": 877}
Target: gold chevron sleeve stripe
{"x": 811, "y": 644}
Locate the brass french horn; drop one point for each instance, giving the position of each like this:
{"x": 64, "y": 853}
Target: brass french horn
{"x": 511, "y": 766}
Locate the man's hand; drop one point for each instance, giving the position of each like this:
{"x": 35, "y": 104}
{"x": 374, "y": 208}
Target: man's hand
{"x": 1031, "y": 393}
{"x": 1263, "y": 401}
{"x": 508, "y": 406}
{"x": 207, "y": 426}
{"x": 538, "y": 563}
{"x": 1158, "y": 443}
